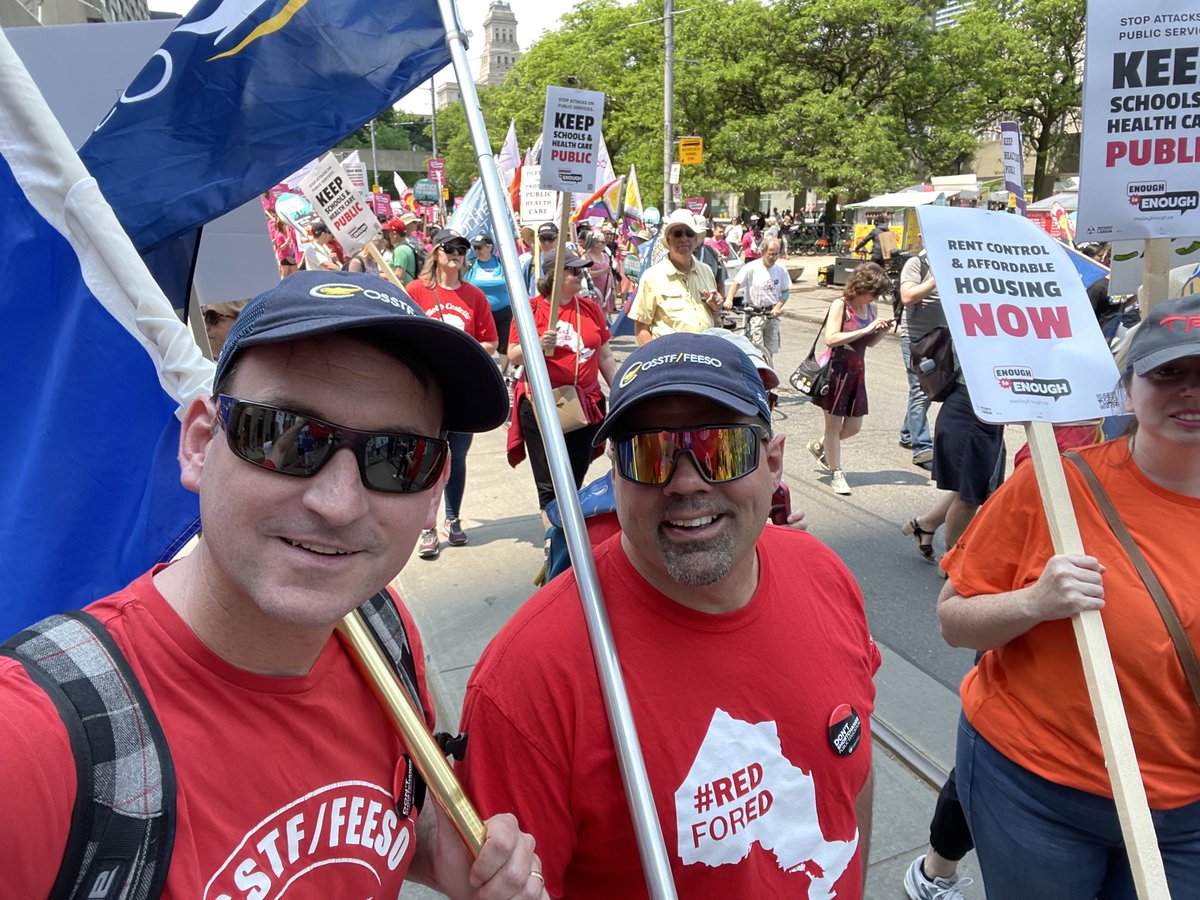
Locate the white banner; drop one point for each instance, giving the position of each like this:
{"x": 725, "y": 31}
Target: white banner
{"x": 1014, "y": 162}
{"x": 1140, "y": 149}
{"x": 340, "y": 204}
{"x": 1026, "y": 336}
{"x": 537, "y": 205}
{"x": 571, "y": 139}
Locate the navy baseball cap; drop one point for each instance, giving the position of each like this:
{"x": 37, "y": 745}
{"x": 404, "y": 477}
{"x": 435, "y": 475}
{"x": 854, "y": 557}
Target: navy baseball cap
{"x": 308, "y": 304}
{"x": 701, "y": 364}
{"x": 1171, "y": 331}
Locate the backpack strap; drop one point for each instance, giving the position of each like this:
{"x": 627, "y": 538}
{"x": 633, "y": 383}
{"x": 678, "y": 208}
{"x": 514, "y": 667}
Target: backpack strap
{"x": 123, "y": 824}
{"x": 383, "y": 620}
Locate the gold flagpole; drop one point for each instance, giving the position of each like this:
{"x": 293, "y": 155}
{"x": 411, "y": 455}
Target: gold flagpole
{"x": 426, "y": 755}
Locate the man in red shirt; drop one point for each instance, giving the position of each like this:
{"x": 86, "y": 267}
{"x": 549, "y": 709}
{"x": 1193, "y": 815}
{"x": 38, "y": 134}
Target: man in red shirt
{"x": 745, "y": 651}
{"x": 288, "y": 778}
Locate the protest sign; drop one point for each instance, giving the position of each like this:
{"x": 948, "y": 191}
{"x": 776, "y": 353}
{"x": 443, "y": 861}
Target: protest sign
{"x": 1027, "y": 338}
{"x": 571, "y": 139}
{"x": 1140, "y": 150}
{"x": 435, "y": 169}
{"x": 356, "y": 169}
{"x": 1031, "y": 351}
{"x": 1127, "y": 263}
{"x": 340, "y": 205}
{"x": 1014, "y": 162}
{"x": 537, "y": 205}
{"x": 426, "y": 192}
{"x": 297, "y": 212}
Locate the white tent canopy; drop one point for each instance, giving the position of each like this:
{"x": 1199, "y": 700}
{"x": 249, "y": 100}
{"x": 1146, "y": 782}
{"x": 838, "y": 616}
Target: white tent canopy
{"x": 900, "y": 200}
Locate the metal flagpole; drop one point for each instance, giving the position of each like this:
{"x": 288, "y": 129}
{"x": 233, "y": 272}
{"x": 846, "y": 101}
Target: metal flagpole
{"x": 620, "y": 717}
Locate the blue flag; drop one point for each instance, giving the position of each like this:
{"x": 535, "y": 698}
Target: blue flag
{"x": 97, "y": 367}
{"x": 243, "y": 93}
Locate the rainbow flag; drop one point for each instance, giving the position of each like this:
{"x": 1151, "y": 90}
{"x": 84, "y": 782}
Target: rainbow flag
{"x": 604, "y": 202}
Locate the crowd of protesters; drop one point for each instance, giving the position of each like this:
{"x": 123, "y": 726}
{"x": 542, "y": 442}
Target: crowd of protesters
{"x": 1020, "y": 770}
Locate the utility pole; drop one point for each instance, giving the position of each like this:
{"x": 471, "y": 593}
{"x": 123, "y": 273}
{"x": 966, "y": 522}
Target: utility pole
{"x": 668, "y": 100}
{"x": 374, "y": 160}
{"x": 433, "y": 114}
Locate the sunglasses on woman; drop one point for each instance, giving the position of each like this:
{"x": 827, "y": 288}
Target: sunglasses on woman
{"x": 293, "y": 443}
{"x": 721, "y": 453}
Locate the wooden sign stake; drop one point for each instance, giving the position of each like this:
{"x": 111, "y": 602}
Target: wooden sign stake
{"x": 560, "y": 257}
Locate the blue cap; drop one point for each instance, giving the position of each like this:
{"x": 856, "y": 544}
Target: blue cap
{"x": 701, "y": 364}
{"x": 308, "y": 304}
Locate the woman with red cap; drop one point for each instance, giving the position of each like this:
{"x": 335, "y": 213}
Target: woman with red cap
{"x": 444, "y": 295}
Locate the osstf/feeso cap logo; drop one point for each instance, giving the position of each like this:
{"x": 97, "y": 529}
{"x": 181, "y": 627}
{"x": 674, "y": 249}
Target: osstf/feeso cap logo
{"x": 342, "y": 290}
{"x": 334, "y": 291}
{"x": 631, "y": 374}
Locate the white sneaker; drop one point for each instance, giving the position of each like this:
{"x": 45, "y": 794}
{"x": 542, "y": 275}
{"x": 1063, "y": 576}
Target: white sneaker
{"x": 838, "y": 482}
{"x": 918, "y": 887}
{"x": 818, "y": 452}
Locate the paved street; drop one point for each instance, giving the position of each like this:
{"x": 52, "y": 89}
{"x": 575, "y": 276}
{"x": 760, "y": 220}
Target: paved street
{"x": 462, "y": 599}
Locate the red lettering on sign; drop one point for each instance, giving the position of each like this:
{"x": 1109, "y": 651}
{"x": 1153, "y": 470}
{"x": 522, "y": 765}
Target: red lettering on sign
{"x": 1047, "y": 322}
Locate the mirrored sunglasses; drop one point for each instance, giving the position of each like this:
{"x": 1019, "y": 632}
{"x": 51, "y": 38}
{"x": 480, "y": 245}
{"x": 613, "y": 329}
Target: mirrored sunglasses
{"x": 721, "y": 453}
{"x": 292, "y": 443}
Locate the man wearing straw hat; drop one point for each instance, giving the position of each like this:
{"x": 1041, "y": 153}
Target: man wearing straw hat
{"x": 286, "y": 776}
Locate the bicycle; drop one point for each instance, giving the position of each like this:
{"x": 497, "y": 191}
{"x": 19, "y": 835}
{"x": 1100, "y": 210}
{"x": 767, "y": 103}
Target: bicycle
{"x": 755, "y": 326}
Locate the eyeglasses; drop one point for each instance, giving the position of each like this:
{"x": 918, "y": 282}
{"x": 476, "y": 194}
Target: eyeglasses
{"x": 292, "y": 443}
{"x": 455, "y": 250}
{"x": 212, "y": 318}
{"x": 680, "y": 232}
{"x": 721, "y": 453}
{"x": 546, "y": 238}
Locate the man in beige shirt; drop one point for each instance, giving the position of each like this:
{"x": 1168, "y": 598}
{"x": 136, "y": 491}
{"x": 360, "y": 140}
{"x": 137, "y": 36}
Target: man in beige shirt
{"x": 679, "y": 293}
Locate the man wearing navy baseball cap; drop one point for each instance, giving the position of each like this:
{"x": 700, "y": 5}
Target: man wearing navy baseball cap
{"x": 314, "y": 459}
{"x": 745, "y": 651}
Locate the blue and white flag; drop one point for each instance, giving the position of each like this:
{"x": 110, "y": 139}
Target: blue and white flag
{"x": 473, "y": 216}
{"x": 244, "y": 92}
{"x": 99, "y": 369}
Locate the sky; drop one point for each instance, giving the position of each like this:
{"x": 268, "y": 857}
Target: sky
{"x": 533, "y": 18}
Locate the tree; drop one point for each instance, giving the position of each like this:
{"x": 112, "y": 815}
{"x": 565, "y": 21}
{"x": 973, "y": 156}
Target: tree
{"x": 851, "y": 95}
{"x": 1028, "y": 64}
{"x": 394, "y": 130}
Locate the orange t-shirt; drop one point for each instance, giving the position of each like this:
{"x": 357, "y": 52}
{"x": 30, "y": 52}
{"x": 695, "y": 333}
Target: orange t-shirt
{"x": 1028, "y": 698}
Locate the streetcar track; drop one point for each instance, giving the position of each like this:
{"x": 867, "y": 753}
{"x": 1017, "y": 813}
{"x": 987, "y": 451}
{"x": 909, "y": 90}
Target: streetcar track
{"x": 918, "y": 762}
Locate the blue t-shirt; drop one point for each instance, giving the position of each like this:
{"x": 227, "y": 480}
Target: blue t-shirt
{"x": 489, "y": 278}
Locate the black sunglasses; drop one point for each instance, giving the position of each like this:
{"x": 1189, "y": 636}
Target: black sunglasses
{"x": 680, "y": 232}
{"x": 547, "y": 238}
{"x": 213, "y": 318}
{"x": 454, "y": 250}
{"x": 293, "y": 443}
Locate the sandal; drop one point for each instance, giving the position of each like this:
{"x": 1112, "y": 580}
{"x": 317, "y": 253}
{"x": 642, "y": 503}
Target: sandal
{"x": 926, "y": 550}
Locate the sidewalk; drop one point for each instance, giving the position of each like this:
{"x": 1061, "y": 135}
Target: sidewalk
{"x": 461, "y": 599}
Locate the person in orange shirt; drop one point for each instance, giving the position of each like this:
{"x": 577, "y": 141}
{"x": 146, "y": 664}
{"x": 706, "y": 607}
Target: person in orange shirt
{"x": 1030, "y": 769}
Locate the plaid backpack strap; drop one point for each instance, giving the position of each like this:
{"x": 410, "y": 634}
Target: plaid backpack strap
{"x": 383, "y": 619}
{"x": 123, "y": 823}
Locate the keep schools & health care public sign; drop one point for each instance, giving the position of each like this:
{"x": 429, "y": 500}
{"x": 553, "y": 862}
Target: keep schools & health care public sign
{"x": 1140, "y": 151}
{"x": 341, "y": 205}
{"x": 1028, "y": 341}
{"x": 571, "y": 139}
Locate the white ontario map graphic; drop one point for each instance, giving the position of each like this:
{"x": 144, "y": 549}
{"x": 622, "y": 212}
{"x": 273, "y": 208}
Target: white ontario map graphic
{"x": 742, "y": 790}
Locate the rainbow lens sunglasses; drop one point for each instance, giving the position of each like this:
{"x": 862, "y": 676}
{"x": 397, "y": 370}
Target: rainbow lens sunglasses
{"x": 293, "y": 443}
{"x": 721, "y": 453}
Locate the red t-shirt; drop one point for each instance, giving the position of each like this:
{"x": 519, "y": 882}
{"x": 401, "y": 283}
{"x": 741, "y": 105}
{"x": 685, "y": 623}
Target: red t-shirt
{"x": 286, "y": 787}
{"x": 582, "y": 331}
{"x": 735, "y": 713}
{"x": 465, "y": 307}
